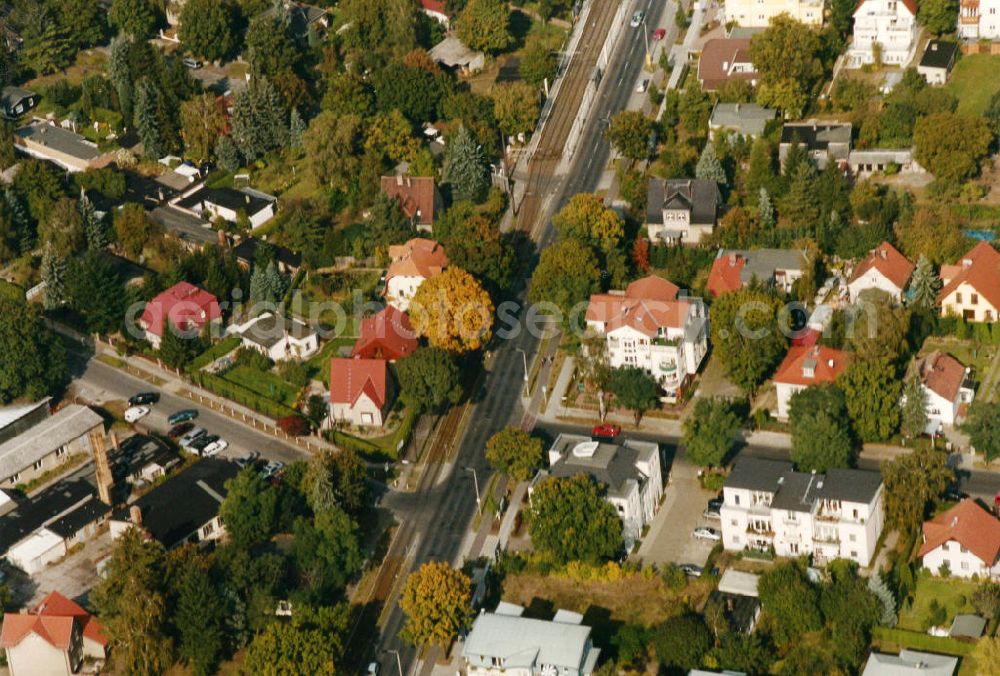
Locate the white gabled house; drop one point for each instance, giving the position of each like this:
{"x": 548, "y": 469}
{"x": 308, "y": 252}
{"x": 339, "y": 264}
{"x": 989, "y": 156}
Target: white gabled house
{"x": 767, "y": 505}
{"x": 946, "y": 386}
{"x": 805, "y": 366}
{"x": 886, "y": 269}
{"x": 649, "y": 327}
{"x": 966, "y": 538}
{"x": 886, "y": 29}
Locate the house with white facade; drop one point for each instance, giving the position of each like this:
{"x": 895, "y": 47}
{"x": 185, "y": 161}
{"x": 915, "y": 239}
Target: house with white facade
{"x": 966, "y": 538}
{"x": 971, "y": 287}
{"x": 937, "y": 61}
{"x": 361, "y": 392}
{"x": 35, "y": 441}
{"x": 53, "y": 638}
{"x": 228, "y": 204}
{"x": 504, "y": 643}
{"x": 758, "y": 13}
{"x": 768, "y": 506}
{"x": 885, "y": 31}
{"x": 947, "y": 387}
{"x": 411, "y": 264}
{"x": 910, "y": 663}
{"x": 734, "y": 269}
{"x": 885, "y": 268}
{"x": 681, "y": 210}
{"x": 805, "y": 366}
{"x": 649, "y": 327}
{"x": 278, "y": 337}
{"x": 629, "y": 471}
{"x": 979, "y": 19}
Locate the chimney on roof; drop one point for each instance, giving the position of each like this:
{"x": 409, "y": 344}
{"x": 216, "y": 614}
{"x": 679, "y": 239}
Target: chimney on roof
{"x": 399, "y": 180}
{"x": 934, "y": 46}
{"x": 732, "y": 259}
{"x": 954, "y": 521}
{"x": 135, "y": 515}
{"x": 884, "y": 254}
{"x": 105, "y": 479}
{"x": 829, "y": 362}
{"x": 737, "y": 107}
{"x": 247, "y": 197}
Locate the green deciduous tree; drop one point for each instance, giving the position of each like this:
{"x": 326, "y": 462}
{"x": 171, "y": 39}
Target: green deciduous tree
{"x": 208, "y": 28}
{"x": 135, "y": 18}
{"x": 938, "y": 16}
{"x": 310, "y": 643}
{"x": 681, "y": 642}
{"x": 634, "y": 389}
{"x": 566, "y": 274}
{"x": 570, "y": 520}
{"x": 787, "y": 595}
{"x": 912, "y": 484}
{"x": 516, "y": 107}
{"x": 331, "y": 145}
{"x": 484, "y": 25}
{"x": 475, "y": 244}
{"x": 132, "y": 229}
{"x": 746, "y": 336}
{"x": 97, "y": 292}
{"x": 951, "y": 146}
{"x": 787, "y": 57}
{"x": 429, "y": 379}
{"x": 872, "y": 392}
{"x": 538, "y": 63}
{"x": 913, "y": 417}
{"x": 515, "y": 452}
{"x": 587, "y": 220}
{"x": 983, "y": 427}
{"x": 199, "y": 617}
{"x": 629, "y": 132}
{"x": 62, "y": 228}
{"x": 249, "y": 510}
{"x": 437, "y": 602}
{"x": 710, "y": 431}
{"x": 326, "y": 552}
{"x": 465, "y": 167}
{"x": 84, "y": 21}
{"x": 202, "y": 126}
{"x": 821, "y": 437}
{"x": 879, "y": 328}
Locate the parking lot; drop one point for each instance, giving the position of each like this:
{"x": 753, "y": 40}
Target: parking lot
{"x": 669, "y": 539}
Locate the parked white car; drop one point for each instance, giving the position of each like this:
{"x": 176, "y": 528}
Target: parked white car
{"x": 704, "y": 533}
{"x": 134, "y": 413}
{"x": 215, "y": 448}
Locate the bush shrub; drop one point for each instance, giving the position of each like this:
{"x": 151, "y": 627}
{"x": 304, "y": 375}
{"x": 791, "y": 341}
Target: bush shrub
{"x": 295, "y": 372}
{"x": 251, "y": 358}
{"x": 673, "y": 576}
{"x": 293, "y": 425}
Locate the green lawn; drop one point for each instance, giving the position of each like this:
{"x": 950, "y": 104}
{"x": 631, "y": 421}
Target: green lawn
{"x": 268, "y": 384}
{"x": 319, "y": 362}
{"x": 974, "y": 81}
{"x": 953, "y": 594}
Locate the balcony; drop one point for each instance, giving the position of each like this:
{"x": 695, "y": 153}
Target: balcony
{"x": 826, "y": 539}
{"x": 760, "y": 529}
{"x": 660, "y": 341}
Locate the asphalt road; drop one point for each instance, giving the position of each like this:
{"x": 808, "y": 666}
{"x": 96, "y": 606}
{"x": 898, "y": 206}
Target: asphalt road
{"x": 100, "y": 383}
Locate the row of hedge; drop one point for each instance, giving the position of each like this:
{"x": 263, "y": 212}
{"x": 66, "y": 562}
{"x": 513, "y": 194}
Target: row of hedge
{"x": 241, "y": 395}
{"x": 918, "y": 641}
{"x": 224, "y": 346}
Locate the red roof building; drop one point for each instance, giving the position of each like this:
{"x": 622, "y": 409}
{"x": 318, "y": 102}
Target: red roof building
{"x": 67, "y": 634}
{"x": 885, "y": 268}
{"x": 726, "y": 274}
{"x": 803, "y": 367}
{"x": 965, "y": 537}
{"x": 387, "y": 335}
{"x": 972, "y": 286}
{"x": 360, "y": 391}
{"x": 725, "y": 59}
{"x": 187, "y": 307}
{"x": 411, "y": 264}
{"x": 418, "y": 198}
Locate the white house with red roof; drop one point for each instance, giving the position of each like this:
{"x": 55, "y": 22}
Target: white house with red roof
{"x": 52, "y": 638}
{"x": 947, "y": 388}
{"x": 419, "y": 199}
{"x": 185, "y": 306}
{"x": 890, "y": 24}
{"x": 411, "y": 264}
{"x": 966, "y": 537}
{"x": 734, "y": 269}
{"x": 387, "y": 335}
{"x": 649, "y": 327}
{"x": 361, "y": 392}
{"x": 972, "y": 286}
{"x": 804, "y": 367}
{"x": 885, "y": 268}
{"x": 437, "y": 10}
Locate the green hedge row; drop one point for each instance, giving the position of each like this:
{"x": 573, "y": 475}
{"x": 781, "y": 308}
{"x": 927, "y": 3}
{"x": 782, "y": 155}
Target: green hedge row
{"x": 914, "y": 639}
{"x": 224, "y": 346}
{"x": 241, "y": 395}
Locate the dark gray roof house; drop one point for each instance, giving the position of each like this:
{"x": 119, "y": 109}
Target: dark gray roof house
{"x": 937, "y": 61}
{"x": 16, "y": 101}
{"x": 822, "y": 141}
{"x": 681, "y": 209}
{"x": 246, "y": 253}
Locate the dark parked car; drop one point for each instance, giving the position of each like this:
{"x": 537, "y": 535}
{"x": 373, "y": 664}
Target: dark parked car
{"x": 180, "y": 429}
{"x": 144, "y": 398}
{"x": 182, "y": 416}
{"x": 199, "y": 444}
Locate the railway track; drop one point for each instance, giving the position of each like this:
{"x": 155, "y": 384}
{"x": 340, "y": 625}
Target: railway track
{"x": 547, "y": 156}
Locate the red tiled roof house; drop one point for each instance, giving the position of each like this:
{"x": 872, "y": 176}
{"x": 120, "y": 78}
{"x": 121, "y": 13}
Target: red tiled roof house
{"x": 361, "y": 392}
{"x": 946, "y": 387}
{"x": 723, "y": 60}
{"x": 387, "y": 335}
{"x": 885, "y": 269}
{"x": 972, "y": 286}
{"x": 437, "y": 10}
{"x": 185, "y": 306}
{"x": 52, "y": 638}
{"x": 966, "y": 537}
{"x": 649, "y": 327}
{"x": 419, "y": 199}
{"x": 410, "y": 265}
{"x": 804, "y": 367}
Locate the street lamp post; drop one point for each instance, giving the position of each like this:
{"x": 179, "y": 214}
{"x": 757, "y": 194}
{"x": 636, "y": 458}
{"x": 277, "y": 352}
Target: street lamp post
{"x": 475, "y": 480}
{"x": 399, "y": 663}
{"x": 524, "y": 360}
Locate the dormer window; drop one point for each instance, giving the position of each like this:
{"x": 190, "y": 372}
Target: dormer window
{"x": 809, "y": 368}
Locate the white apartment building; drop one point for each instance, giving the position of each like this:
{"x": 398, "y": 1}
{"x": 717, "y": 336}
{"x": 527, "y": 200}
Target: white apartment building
{"x": 630, "y": 472}
{"x": 758, "y": 13}
{"x": 979, "y": 19}
{"x": 890, "y": 24}
{"x": 649, "y": 327}
{"x": 767, "y": 505}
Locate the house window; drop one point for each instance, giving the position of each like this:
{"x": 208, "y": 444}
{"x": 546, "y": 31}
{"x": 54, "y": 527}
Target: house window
{"x": 208, "y": 529}
{"x": 497, "y": 661}
{"x": 367, "y": 419}
{"x": 734, "y": 522}
{"x": 37, "y": 465}
{"x": 853, "y": 537}
{"x": 794, "y": 548}
{"x": 61, "y": 451}
{"x": 944, "y": 547}
{"x": 14, "y": 477}
{"x": 736, "y": 499}
{"x": 958, "y": 298}
{"x": 963, "y": 549}
{"x": 855, "y": 514}
{"x": 854, "y": 554}
{"x": 736, "y": 539}
{"x": 974, "y": 298}
{"x": 965, "y": 565}
{"x": 988, "y": 315}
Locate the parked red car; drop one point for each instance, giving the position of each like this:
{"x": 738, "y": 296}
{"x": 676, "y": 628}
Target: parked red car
{"x": 605, "y": 431}
{"x": 659, "y": 33}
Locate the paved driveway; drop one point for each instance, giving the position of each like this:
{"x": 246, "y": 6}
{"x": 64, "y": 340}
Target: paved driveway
{"x": 669, "y": 538}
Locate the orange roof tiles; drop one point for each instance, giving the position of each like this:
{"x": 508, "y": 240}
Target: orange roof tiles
{"x": 886, "y": 259}
{"x": 415, "y": 195}
{"x": 941, "y": 373}
{"x": 969, "y": 525}
{"x": 419, "y": 257}
{"x": 980, "y": 269}
{"x": 825, "y": 363}
{"x": 52, "y": 620}
{"x": 725, "y": 274}
{"x": 350, "y": 378}
{"x": 387, "y": 335}
{"x": 646, "y": 305}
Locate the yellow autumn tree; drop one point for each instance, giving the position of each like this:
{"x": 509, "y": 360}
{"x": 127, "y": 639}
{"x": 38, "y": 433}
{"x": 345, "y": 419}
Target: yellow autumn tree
{"x": 453, "y": 311}
{"x": 587, "y": 220}
{"x": 437, "y": 602}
